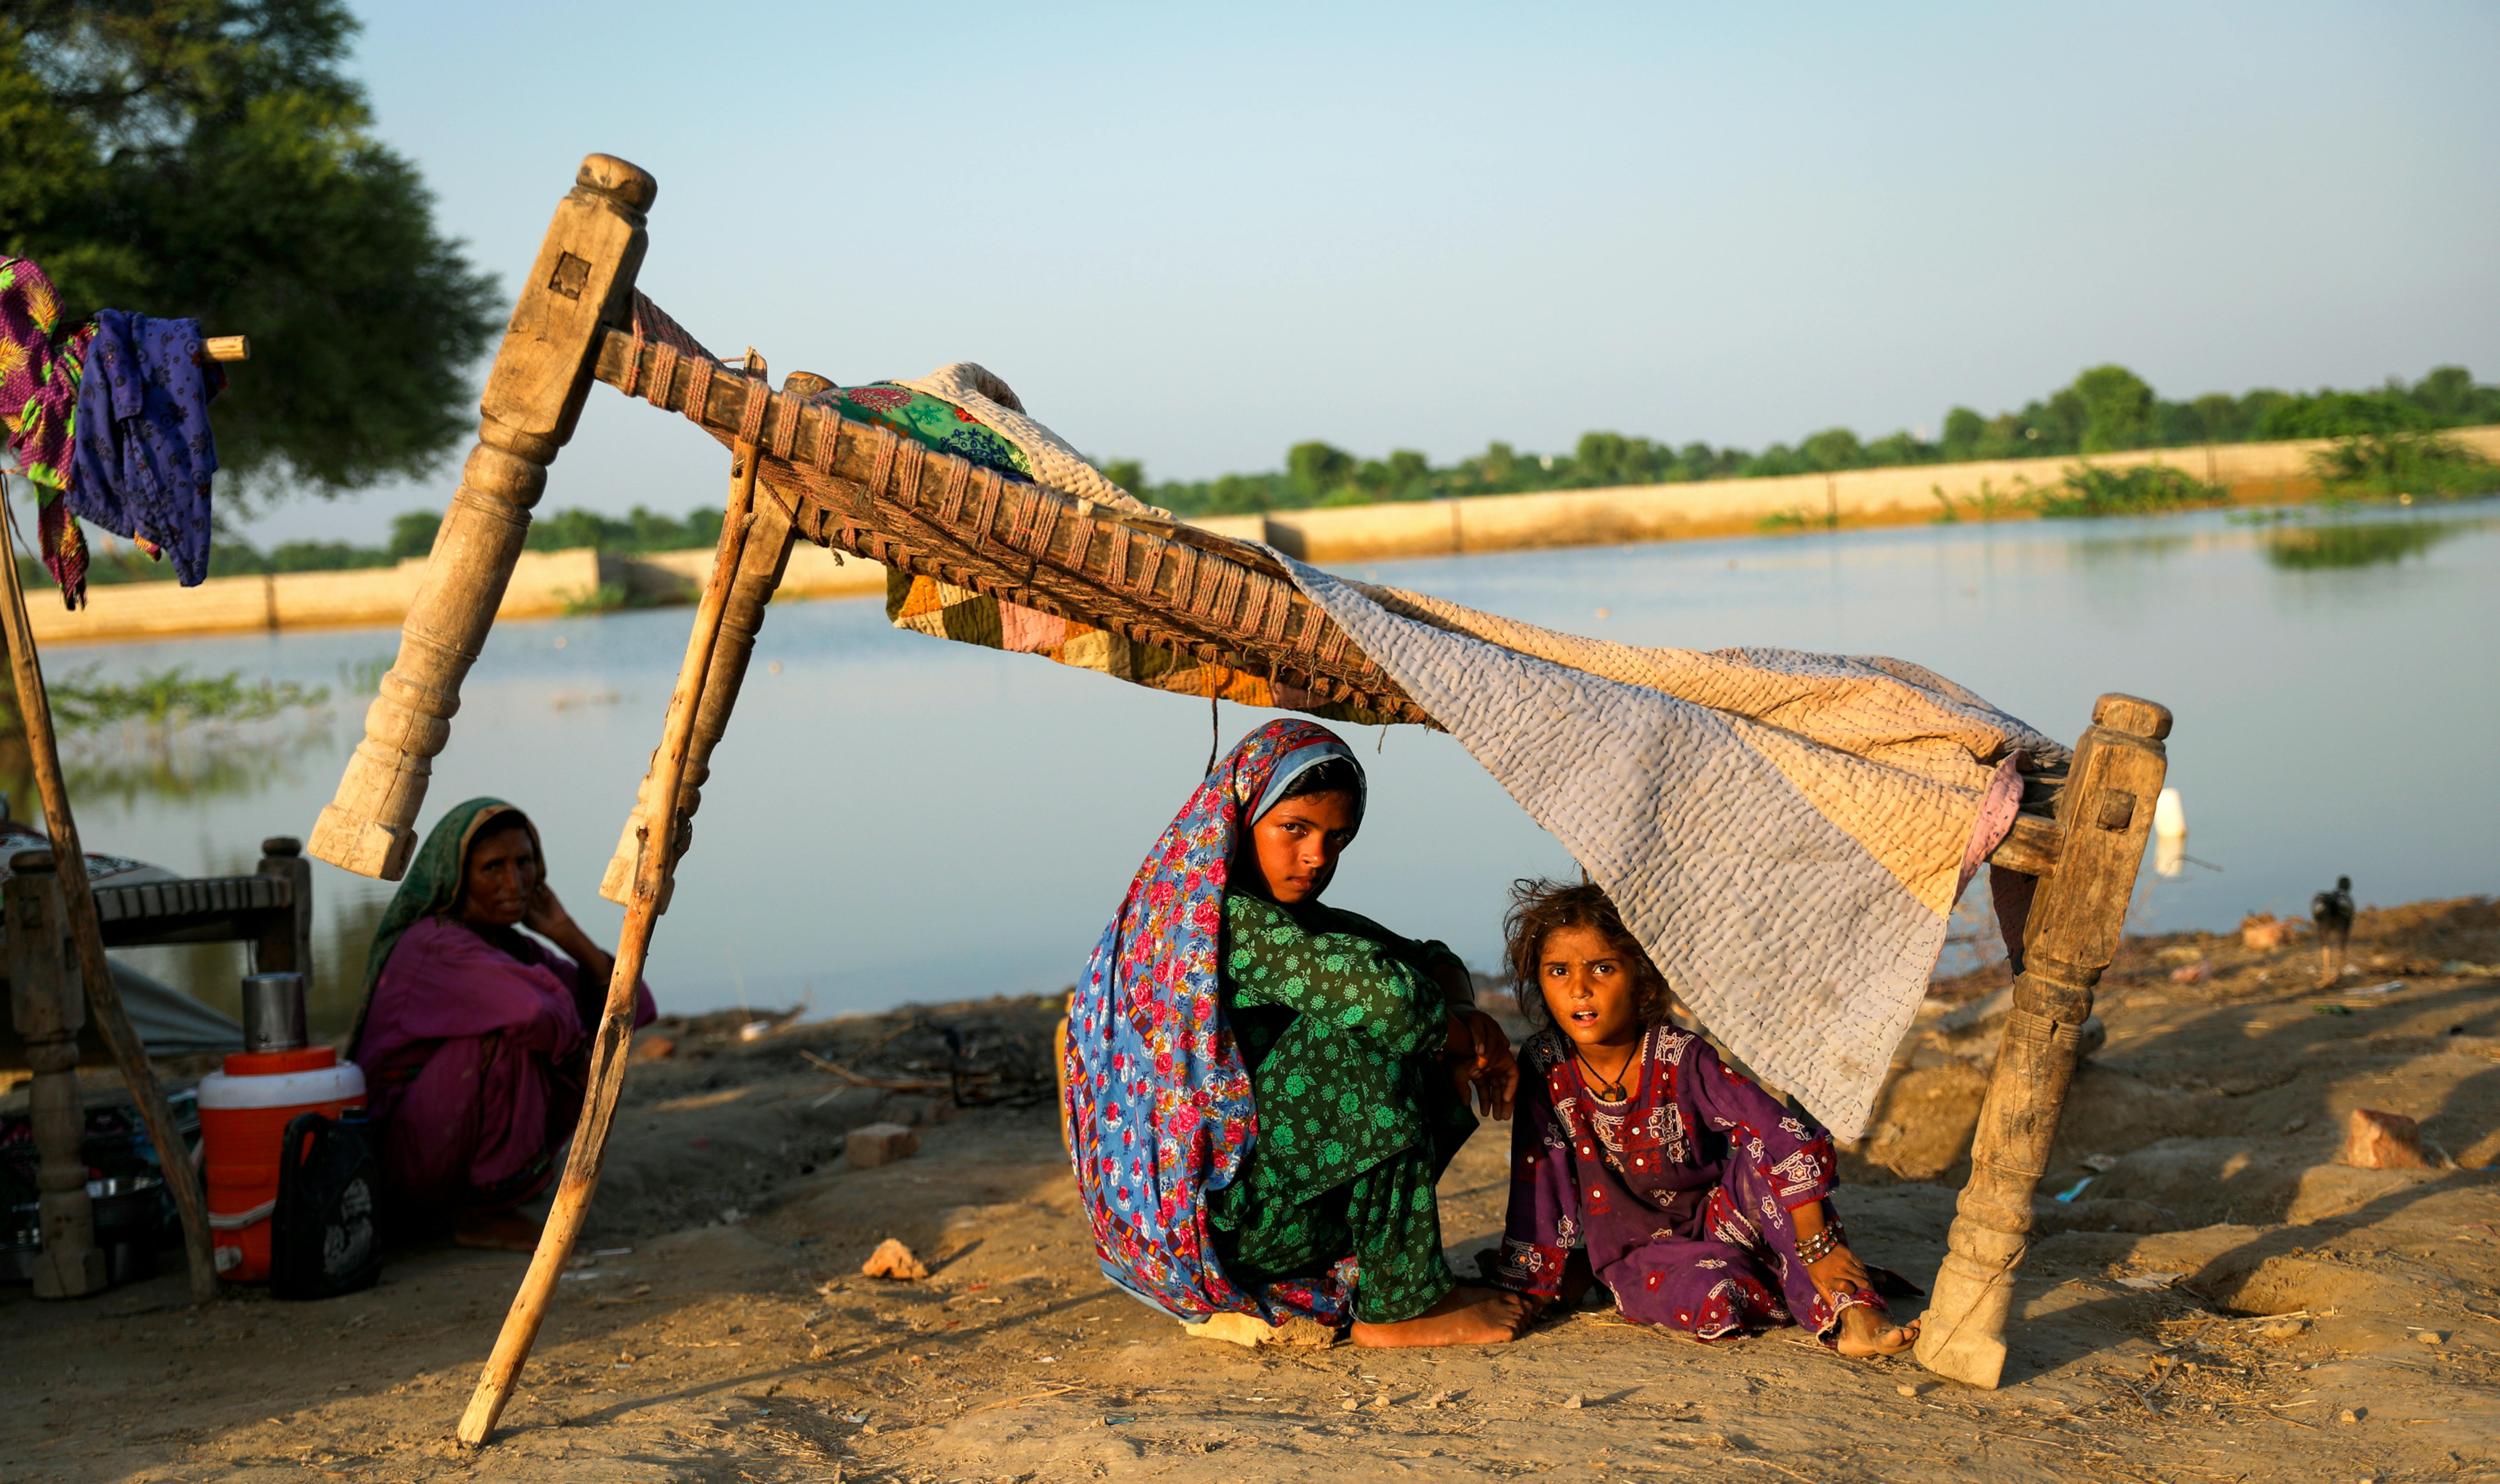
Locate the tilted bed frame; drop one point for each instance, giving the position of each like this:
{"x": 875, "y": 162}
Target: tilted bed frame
{"x": 867, "y": 491}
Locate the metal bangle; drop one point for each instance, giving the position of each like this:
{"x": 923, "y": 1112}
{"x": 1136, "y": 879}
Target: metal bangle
{"x": 1820, "y": 1246}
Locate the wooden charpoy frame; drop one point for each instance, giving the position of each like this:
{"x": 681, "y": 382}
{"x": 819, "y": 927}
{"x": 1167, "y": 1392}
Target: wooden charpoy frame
{"x": 800, "y": 470}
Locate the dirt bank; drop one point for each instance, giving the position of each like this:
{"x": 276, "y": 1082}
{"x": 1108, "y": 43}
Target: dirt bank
{"x": 2212, "y": 1305}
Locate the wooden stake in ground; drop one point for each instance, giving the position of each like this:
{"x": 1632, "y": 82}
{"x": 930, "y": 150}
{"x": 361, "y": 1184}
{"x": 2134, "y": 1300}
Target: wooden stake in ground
{"x": 2103, "y": 817}
{"x": 78, "y": 900}
{"x": 616, "y": 1037}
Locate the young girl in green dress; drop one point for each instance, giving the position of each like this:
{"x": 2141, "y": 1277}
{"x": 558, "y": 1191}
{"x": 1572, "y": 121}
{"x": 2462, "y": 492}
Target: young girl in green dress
{"x": 1263, "y": 1090}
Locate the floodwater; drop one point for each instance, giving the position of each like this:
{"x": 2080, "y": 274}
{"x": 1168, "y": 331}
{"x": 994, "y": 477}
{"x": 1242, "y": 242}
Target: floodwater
{"x": 894, "y": 818}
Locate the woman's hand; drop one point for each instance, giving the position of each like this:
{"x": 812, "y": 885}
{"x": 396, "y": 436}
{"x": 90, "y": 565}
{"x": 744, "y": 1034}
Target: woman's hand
{"x": 1479, "y": 1058}
{"x": 547, "y": 919}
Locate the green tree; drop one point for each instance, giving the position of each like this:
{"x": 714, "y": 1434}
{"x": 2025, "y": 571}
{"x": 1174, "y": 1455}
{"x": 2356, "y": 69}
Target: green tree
{"x": 1410, "y": 475}
{"x": 1834, "y": 448}
{"x": 1239, "y": 495}
{"x": 2449, "y": 394}
{"x": 2116, "y": 407}
{"x": 207, "y": 159}
{"x": 1773, "y": 461}
{"x": 1318, "y": 470}
{"x": 412, "y": 533}
{"x": 1899, "y": 448}
{"x": 2344, "y": 414}
{"x": 1127, "y": 473}
{"x": 2219, "y": 418}
{"x": 1964, "y": 431}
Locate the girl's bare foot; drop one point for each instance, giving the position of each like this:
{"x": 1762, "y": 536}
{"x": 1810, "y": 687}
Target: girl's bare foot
{"x": 1464, "y": 1316}
{"x": 496, "y": 1231}
{"x": 1863, "y": 1333}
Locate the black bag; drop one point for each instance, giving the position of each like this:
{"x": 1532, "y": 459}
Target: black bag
{"x": 325, "y": 1238}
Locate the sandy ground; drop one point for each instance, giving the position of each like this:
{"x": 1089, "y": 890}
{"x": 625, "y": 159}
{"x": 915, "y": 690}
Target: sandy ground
{"x": 2323, "y": 1323}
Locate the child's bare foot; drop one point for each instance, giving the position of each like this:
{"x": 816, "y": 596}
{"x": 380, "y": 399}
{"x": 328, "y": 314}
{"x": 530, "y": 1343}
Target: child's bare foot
{"x": 1464, "y": 1316}
{"x": 1863, "y": 1333}
{"x": 496, "y": 1231}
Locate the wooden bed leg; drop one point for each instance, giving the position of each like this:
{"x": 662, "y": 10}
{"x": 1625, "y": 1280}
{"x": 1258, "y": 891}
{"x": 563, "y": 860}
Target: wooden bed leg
{"x": 44, "y": 999}
{"x": 2104, "y": 816}
{"x": 615, "y": 1036}
{"x": 86, "y": 937}
{"x": 581, "y": 281}
{"x": 759, "y": 574}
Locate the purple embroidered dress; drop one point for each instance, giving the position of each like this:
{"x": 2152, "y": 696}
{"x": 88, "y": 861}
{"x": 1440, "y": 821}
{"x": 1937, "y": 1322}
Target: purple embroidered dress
{"x": 1680, "y": 1193}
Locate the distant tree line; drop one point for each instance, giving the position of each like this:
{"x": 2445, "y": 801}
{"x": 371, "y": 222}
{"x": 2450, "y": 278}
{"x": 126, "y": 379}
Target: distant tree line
{"x": 2105, "y": 409}
{"x": 411, "y": 535}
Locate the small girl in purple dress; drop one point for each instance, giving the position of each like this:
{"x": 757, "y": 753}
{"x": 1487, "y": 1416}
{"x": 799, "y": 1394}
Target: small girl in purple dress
{"x": 1640, "y": 1159}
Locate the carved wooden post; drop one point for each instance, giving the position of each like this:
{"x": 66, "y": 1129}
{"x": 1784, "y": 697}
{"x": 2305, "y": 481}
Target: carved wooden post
{"x": 45, "y": 1000}
{"x": 285, "y": 946}
{"x": 581, "y": 281}
{"x": 2103, "y": 817}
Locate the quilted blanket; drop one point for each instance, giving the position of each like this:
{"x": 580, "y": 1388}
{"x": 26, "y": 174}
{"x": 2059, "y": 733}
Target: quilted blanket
{"x": 1785, "y": 832}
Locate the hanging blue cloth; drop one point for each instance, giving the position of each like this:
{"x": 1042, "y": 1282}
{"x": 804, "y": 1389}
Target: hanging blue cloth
{"x": 145, "y": 453}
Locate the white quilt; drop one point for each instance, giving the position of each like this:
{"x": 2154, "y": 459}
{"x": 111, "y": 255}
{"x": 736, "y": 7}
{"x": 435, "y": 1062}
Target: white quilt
{"x": 1785, "y": 832}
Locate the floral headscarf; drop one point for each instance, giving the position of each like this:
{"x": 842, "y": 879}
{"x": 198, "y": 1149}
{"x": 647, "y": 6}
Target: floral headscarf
{"x": 1159, "y": 1109}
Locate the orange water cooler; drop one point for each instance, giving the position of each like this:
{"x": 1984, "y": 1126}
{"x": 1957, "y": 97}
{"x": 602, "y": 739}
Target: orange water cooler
{"x": 245, "y": 1110}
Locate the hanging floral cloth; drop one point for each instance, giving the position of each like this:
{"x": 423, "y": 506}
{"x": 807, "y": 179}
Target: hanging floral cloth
{"x": 109, "y": 421}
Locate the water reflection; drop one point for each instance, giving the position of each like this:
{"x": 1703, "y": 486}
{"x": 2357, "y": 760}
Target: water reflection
{"x": 2313, "y": 548}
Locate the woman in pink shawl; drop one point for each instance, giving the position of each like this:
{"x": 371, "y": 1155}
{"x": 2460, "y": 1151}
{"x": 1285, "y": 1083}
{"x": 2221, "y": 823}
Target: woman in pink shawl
{"x": 475, "y": 1037}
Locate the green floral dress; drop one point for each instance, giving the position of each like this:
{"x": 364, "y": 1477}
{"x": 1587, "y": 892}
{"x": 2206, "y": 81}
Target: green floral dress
{"x": 1341, "y": 1023}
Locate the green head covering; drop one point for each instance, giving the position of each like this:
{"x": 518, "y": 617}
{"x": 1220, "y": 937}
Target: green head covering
{"x": 432, "y": 885}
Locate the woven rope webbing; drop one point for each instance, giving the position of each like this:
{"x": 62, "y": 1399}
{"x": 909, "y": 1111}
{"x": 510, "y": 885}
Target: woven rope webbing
{"x": 893, "y": 507}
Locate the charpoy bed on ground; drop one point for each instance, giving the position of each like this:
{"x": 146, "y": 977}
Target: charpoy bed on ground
{"x": 1838, "y": 804}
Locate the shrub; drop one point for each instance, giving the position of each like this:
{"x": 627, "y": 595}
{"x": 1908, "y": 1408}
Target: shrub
{"x": 2383, "y": 464}
{"x": 2148, "y": 489}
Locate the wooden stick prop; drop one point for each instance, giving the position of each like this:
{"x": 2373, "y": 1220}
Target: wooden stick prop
{"x": 759, "y": 574}
{"x": 582, "y": 283}
{"x": 616, "y": 1021}
{"x": 2104, "y": 816}
{"x": 78, "y": 900}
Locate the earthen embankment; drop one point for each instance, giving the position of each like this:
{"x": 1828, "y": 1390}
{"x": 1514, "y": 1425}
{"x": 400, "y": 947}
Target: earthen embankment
{"x": 553, "y": 584}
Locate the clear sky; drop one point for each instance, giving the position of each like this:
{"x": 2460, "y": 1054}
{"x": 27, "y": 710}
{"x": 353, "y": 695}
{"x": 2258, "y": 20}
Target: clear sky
{"x": 1195, "y": 235}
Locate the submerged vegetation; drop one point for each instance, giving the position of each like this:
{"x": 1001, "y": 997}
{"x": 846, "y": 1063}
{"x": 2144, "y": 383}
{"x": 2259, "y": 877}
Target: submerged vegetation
{"x": 2328, "y": 547}
{"x": 2403, "y": 464}
{"x": 161, "y": 703}
{"x": 2150, "y": 488}
{"x": 2086, "y": 491}
{"x": 168, "y": 732}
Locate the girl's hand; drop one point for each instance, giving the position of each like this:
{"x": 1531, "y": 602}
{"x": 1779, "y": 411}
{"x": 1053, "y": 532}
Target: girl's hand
{"x": 1480, "y": 1060}
{"x": 1837, "y": 1270}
